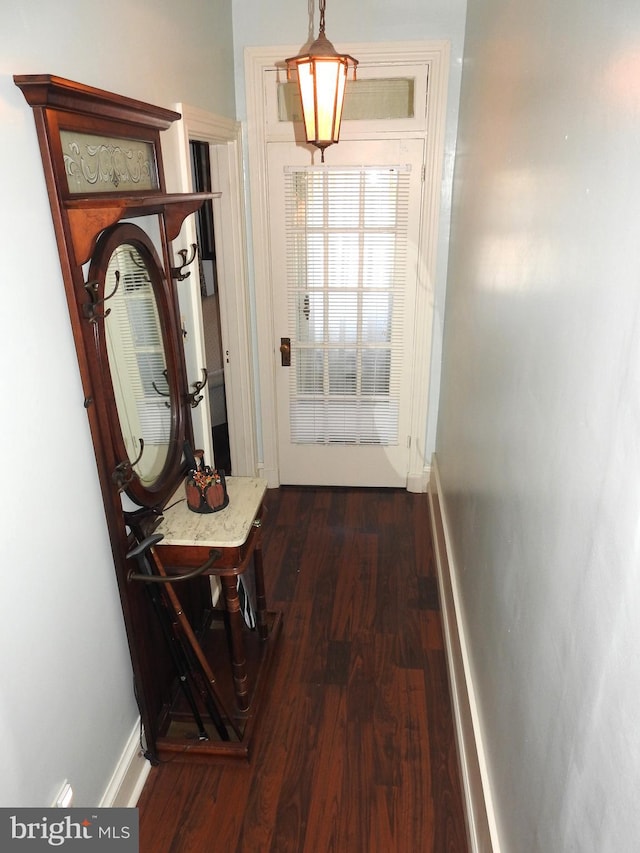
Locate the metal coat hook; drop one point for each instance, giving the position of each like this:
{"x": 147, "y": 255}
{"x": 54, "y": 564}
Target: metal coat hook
{"x": 123, "y": 473}
{"x": 89, "y": 308}
{"x": 140, "y": 264}
{"x": 176, "y": 272}
{"x": 193, "y": 398}
{"x": 162, "y": 393}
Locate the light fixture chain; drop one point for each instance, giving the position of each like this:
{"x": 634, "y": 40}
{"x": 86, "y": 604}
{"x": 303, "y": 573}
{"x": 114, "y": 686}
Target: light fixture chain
{"x": 311, "y": 13}
{"x": 322, "y": 4}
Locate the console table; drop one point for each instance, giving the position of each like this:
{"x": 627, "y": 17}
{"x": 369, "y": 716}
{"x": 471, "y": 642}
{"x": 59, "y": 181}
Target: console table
{"x": 231, "y": 541}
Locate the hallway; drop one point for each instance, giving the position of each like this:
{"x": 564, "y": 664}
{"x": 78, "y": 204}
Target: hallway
{"x": 355, "y": 752}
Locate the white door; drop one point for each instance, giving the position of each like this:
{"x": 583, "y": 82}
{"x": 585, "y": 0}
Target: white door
{"x": 344, "y": 240}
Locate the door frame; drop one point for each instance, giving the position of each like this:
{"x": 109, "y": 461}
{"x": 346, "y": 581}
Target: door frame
{"x": 224, "y": 137}
{"x": 259, "y": 60}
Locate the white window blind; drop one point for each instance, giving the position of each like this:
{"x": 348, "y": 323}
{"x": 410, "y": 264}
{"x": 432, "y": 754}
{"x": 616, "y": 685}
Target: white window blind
{"x": 346, "y": 263}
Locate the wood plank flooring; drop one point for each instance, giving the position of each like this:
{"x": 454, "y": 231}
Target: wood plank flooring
{"x": 355, "y": 749}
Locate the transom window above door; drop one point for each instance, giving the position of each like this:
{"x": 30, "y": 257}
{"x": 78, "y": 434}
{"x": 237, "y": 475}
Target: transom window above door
{"x": 383, "y": 98}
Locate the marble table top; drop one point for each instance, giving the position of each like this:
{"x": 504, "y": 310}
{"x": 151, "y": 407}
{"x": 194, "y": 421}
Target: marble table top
{"x": 227, "y": 528}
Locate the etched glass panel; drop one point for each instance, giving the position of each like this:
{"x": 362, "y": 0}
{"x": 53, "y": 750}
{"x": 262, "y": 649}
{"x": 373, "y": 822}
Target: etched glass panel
{"x": 99, "y": 164}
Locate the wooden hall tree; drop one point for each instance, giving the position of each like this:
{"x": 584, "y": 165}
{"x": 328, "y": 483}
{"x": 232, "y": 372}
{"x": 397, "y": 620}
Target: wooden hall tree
{"x": 114, "y": 223}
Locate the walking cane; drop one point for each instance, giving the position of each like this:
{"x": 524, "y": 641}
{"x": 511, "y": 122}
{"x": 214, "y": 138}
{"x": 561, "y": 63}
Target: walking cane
{"x": 209, "y": 689}
{"x": 176, "y": 651}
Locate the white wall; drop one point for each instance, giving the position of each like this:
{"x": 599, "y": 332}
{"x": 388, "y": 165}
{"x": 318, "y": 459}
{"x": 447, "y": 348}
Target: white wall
{"x": 352, "y": 21}
{"x": 66, "y": 698}
{"x": 539, "y": 429}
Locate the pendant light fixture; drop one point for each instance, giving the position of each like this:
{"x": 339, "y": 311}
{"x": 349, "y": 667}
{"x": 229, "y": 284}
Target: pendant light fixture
{"x": 322, "y": 77}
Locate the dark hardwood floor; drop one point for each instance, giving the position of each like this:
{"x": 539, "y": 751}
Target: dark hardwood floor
{"x": 355, "y": 749}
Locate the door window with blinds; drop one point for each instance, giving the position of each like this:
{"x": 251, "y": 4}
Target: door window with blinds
{"x": 346, "y": 247}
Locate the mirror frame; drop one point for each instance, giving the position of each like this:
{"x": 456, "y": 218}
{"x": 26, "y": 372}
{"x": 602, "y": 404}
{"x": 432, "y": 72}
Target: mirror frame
{"x": 127, "y": 233}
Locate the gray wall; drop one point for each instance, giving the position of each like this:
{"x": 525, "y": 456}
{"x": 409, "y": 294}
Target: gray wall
{"x": 66, "y": 698}
{"x": 539, "y": 428}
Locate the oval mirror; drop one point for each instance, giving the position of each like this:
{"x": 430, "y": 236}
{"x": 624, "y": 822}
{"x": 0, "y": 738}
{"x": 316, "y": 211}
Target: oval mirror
{"x": 137, "y": 362}
{"x": 141, "y": 355}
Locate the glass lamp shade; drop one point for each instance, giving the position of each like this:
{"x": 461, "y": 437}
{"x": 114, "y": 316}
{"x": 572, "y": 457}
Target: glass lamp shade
{"x": 322, "y": 77}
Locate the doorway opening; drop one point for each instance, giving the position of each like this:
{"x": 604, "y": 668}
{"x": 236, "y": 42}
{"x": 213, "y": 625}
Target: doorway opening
{"x": 402, "y": 103}
{"x": 209, "y": 293}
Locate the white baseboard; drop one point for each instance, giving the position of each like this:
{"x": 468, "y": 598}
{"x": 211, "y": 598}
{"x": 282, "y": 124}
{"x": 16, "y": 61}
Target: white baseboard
{"x": 481, "y": 824}
{"x": 271, "y": 475}
{"x": 129, "y": 776}
{"x": 418, "y": 483}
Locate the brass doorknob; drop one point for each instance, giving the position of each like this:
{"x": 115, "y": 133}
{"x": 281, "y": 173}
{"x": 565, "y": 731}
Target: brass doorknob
{"x": 285, "y": 352}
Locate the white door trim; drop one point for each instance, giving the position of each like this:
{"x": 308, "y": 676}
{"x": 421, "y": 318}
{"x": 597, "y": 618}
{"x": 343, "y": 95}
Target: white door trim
{"x": 258, "y": 60}
{"x": 225, "y": 140}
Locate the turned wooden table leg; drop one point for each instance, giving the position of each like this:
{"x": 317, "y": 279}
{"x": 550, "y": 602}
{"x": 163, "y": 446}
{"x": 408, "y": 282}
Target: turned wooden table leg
{"x": 261, "y": 599}
{"x": 236, "y": 641}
